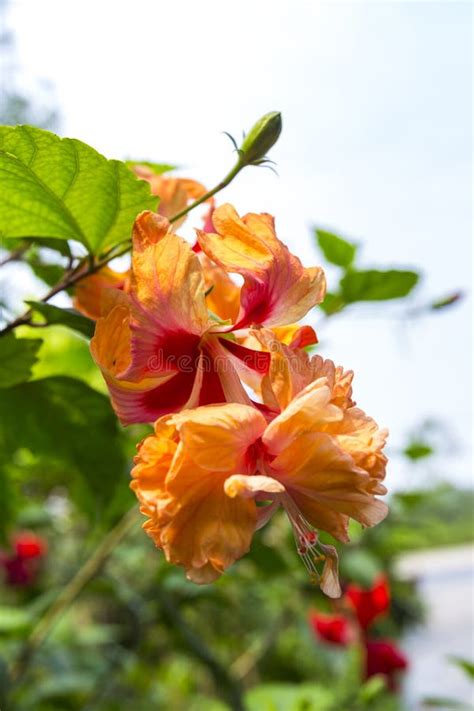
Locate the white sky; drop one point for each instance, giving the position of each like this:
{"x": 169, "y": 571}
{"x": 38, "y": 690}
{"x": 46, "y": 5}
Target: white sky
{"x": 376, "y": 103}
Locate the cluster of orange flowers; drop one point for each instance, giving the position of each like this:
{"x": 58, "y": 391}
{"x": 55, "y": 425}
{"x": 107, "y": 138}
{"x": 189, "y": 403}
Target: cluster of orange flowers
{"x": 203, "y": 341}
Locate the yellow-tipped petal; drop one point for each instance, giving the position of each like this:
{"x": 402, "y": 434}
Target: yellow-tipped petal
{"x": 277, "y": 289}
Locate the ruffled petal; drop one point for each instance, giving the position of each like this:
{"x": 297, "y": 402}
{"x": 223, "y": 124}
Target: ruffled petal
{"x": 218, "y": 437}
{"x": 326, "y": 484}
{"x": 202, "y": 528}
{"x": 277, "y": 289}
{"x": 308, "y": 412}
{"x": 189, "y": 514}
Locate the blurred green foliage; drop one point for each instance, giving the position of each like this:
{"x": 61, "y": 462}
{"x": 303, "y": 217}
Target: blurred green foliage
{"x": 356, "y": 285}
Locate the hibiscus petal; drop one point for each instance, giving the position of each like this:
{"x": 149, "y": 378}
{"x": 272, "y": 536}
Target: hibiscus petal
{"x": 202, "y": 528}
{"x": 167, "y": 278}
{"x": 218, "y": 437}
{"x": 296, "y": 336}
{"x": 89, "y": 292}
{"x": 277, "y": 289}
{"x": 250, "y": 486}
{"x": 329, "y": 582}
{"x": 223, "y": 294}
{"x": 326, "y": 484}
{"x": 151, "y": 398}
{"x": 307, "y": 412}
{"x": 258, "y": 361}
{"x": 190, "y": 516}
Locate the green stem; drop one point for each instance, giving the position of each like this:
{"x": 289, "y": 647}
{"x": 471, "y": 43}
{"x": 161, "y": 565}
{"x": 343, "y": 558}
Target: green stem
{"x": 220, "y": 186}
{"x": 71, "y": 591}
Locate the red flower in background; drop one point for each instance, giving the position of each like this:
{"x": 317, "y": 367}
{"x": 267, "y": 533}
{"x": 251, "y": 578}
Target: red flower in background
{"x": 21, "y": 565}
{"x": 369, "y": 604}
{"x": 331, "y": 628}
{"x": 382, "y": 656}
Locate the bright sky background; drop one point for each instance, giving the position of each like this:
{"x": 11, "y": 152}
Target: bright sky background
{"x": 376, "y": 103}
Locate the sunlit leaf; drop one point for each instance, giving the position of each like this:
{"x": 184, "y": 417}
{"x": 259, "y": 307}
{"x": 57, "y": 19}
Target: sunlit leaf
{"x": 336, "y": 250}
{"x": 63, "y": 189}
{"x": 377, "y": 285}
{"x": 17, "y": 357}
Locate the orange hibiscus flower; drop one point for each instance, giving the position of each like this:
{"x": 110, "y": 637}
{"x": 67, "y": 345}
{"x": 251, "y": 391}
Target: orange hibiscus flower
{"x": 209, "y": 477}
{"x": 160, "y": 349}
{"x": 89, "y": 292}
{"x": 175, "y": 193}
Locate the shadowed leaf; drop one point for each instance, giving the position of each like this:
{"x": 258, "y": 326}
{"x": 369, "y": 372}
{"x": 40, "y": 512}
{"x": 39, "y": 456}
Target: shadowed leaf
{"x": 17, "y": 357}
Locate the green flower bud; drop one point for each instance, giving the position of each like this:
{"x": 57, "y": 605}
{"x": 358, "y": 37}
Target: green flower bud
{"x": 261, "y": 137}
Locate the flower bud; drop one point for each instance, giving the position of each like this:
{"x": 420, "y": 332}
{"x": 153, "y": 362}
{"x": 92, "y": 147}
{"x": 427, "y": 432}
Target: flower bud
{"x": 261, "y": 137}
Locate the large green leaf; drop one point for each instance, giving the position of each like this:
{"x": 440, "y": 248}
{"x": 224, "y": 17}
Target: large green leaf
{"x": 17, "y": 357}
{"x": 335, "y": 249}
{"x": 64, "y": 420}
{"x": 55, "y": 316}
{"x": 375, "y": 285}
{"x": 63, "y": 189}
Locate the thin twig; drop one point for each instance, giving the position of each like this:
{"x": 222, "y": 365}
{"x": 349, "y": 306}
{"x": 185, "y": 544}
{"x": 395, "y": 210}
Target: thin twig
{"x": 83, "y": 269}
{"x": 14, "y": 256}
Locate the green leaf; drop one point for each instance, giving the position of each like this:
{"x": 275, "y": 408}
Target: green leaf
{"x": 290, "y": 697}
{"x": 63, "y": 420}
{"x": 372, "y": 688}
{"x": 377, "y": 285}
{"x": 435, "y": 702}
{"x": 418, "y": 450}
{"x": 17, "y": 357}
{"x": 63, "y": 189}
{"x": 464, "y": 664}
{"x": 336, "y": 250}
{"x": 64, "y": 317}
{"x": 51, "y": 274}
{"x": 13, "y": 619}
{"x": 332, "y": 304}
{"x": 58, "y": 245}
{"x": 156, "y": 168}
{"x": 360, "y": 566}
